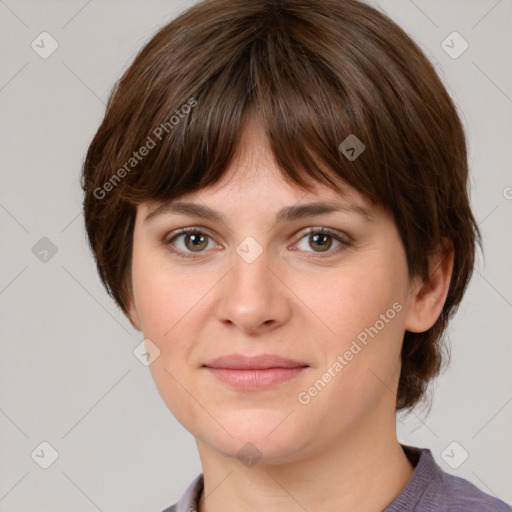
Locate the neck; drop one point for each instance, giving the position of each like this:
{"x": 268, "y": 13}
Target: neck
{"x": 364, "y": 469}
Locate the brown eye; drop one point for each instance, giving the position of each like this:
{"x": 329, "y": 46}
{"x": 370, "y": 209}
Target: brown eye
{"x": 189, "y": 241}
{"x": 322, "y": 240}
{"x": 196, "y": 241}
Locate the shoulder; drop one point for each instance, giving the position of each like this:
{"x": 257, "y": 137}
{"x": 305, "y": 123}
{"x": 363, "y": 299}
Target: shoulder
{"x": 431, "y": 489}
{"x": 460, "y": 495}
{"x": 190, "y": 499}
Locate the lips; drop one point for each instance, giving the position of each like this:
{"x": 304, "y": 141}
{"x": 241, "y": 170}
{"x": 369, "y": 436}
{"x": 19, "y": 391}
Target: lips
{"x": 260, "y": 362}
{"x": 256, "y": 372}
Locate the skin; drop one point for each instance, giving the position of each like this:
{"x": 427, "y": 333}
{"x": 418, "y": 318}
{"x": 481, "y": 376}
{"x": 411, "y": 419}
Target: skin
{"x": 302, "y": 303}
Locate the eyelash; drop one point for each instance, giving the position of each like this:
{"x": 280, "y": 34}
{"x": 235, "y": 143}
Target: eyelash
{"x": 169, "y": 238}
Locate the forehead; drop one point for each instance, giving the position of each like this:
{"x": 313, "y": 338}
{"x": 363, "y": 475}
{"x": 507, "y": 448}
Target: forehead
{"x": 253, "y": 168}
{"x": 261, "y": 186}
{"x": 253, "y": 180}
{"x": 282, "y": 201}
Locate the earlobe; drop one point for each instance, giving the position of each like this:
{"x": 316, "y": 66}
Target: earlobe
{"x": 428, "y": 297}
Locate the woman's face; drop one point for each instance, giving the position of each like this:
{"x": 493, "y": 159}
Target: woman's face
{"x": 249, "y": 285}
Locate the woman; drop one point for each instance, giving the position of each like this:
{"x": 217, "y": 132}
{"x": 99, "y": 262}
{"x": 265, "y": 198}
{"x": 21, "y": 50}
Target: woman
{"x": 277, "y": 198}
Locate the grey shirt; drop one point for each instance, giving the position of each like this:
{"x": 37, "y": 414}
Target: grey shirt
{"x": 430, "y": 489}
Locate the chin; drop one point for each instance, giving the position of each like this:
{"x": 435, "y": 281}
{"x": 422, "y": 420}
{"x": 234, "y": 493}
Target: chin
{"x": 251, "y": 452}
{"x": 263, "y": 438}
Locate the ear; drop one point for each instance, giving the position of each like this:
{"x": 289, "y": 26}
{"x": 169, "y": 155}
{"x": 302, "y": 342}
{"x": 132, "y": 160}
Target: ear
{"x": 428, "y": 297}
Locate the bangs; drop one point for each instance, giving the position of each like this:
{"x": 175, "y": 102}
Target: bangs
{"x": 307, "y": 97}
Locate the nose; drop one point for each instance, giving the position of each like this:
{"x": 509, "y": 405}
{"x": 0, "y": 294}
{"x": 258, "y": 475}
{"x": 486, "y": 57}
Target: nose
{"x": 254, "y": 296}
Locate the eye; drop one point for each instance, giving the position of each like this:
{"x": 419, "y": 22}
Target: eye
{"x": 187, "y": 241}
{"x": 190, "y": 240}
{"x": 322, "y": 239}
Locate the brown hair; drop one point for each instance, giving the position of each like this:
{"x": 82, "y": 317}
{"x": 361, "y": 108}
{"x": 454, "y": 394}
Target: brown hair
{"x": 312, "y": 72}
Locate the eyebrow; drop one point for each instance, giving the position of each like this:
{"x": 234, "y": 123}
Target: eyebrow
{"x": 287, "y": 214}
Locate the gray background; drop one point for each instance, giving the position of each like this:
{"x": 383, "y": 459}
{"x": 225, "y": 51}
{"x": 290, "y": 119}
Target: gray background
{"x": 68, "y": 375}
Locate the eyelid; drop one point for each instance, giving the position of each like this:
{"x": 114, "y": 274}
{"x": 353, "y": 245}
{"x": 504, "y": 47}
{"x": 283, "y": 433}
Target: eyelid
{"x": 342, "y": 237}
{"x": 189, "y": 229}
{"x": 168, "y": 238}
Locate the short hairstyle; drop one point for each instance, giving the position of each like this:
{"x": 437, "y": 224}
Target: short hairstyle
{"x": 312, "y": 72}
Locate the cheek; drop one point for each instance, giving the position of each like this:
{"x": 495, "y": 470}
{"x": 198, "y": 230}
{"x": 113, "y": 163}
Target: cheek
{"x": 347, "y": 302}
{"x": 169, "y": 307}
{"x": 156, "y": 304}
{"x": 361, "y": 359}
{"x": 164, "y": 296}
{"x": 362, "y": 309}
{"x": 173, "y": 308}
